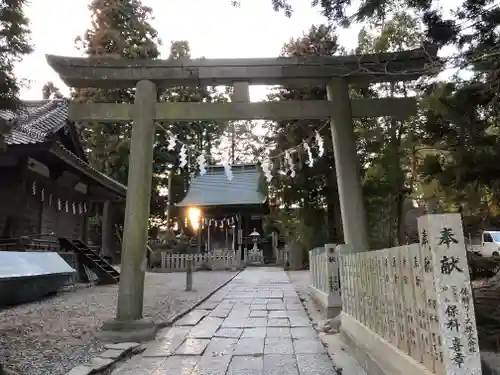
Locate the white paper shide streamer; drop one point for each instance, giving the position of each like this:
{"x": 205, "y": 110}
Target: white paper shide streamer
{"x": 307, "y": 149}
{"x": 202, "y": 164}
{"x": 289, "y": 163}
{"x": 319, "y": 141}
{"x": 183, "y": 157}
{"x": 266, "y": 169}
{"x": 227, "y": 166}
{"x": 172, "y": 142}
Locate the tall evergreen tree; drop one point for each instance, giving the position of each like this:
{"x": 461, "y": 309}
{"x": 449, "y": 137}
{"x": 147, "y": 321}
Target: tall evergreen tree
{"x": 312, "y": 188}
{"x": 118, "y": 28}
{"x": 14, "y": 44}
{"x": 389, "y": 144}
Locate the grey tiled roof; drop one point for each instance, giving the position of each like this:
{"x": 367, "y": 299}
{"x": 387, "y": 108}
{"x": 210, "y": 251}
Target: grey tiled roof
{"x": 36, "y": 122}
{"x": 214, "y": 189}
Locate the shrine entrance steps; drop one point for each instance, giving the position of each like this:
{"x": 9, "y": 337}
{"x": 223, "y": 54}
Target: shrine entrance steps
{"x": 91, "y": 259}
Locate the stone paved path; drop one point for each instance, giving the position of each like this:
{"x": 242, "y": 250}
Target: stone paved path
{"x": 254, "y": 325}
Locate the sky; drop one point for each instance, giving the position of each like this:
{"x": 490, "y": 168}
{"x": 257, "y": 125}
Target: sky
{"x": 214, "y": 29}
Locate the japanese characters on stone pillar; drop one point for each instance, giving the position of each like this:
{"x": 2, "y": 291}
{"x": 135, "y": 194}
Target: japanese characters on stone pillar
{"x": 377, "y": 296}
{"x": 457, "y": 340}
{"x": 420, "y": 314}
{"x": 390, "y": 299}
{"x": 407, "y": 258}
{"x": 429, "y": 312}
{"x": 399, "y": 313}
{"x": 334, "y": 298}
{"x": 382, "y": 292}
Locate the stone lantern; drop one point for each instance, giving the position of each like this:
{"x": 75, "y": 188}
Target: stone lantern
{"x": 255, "y": 239}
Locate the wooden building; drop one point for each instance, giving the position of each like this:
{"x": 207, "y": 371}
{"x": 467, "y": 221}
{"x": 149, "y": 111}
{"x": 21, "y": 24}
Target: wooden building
{"x": 47, "y": 186}
{"x": 231, "y": 210}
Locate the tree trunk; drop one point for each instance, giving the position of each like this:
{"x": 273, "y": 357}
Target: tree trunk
{"x": 334, "y": 216}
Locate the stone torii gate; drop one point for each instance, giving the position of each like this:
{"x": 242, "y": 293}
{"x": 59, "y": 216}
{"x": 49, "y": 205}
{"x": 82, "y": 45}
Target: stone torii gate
{"x": 147, "y": 76}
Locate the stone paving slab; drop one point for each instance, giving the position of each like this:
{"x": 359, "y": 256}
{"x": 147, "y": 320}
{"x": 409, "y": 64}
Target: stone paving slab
{"x": 255, "y": 325}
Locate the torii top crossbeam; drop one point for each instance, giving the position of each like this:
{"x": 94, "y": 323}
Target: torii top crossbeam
{"x": 107, "y": 72}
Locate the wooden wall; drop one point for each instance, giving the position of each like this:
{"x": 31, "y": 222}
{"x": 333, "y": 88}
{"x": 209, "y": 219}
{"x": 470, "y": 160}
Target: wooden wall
{"x": 24, "y": 212}
{"x": 11, "y": 194}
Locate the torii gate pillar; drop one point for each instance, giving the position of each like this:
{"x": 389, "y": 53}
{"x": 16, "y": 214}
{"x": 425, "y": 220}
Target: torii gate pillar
{"x": 129, "y": 325}
{"x": 347, "y": 167}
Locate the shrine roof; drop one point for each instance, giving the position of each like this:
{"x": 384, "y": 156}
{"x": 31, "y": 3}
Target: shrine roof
{"x": 37, "y": 123}
{"x": 214, "y": 189}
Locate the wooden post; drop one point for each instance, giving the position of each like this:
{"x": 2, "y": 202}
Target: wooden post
{"x": 189, "y": 271}
{"x": 347, "y": 167}
{"x": 209, "y": 239}
{"x": 233, "y": 242}
{"x": 169, "y": 198}
{"x": 107, "y": 230}
{"x": 227, "y": 237}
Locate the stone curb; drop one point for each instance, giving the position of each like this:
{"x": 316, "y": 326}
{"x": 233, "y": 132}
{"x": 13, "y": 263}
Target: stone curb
{"x": 178, "y": 316}
{"x": 308, "y": 304}
{"x": 106, "y": 359}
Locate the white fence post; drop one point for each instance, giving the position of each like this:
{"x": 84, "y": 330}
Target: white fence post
{"x": 324, "y": 278}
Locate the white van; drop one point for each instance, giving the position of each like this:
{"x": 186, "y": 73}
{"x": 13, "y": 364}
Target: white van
{"x": 490, "y": 244}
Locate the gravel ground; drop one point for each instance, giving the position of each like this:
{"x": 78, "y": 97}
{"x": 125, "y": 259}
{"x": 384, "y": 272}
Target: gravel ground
{"x": 299, "y": 279}
{"x": 53, "y": 335}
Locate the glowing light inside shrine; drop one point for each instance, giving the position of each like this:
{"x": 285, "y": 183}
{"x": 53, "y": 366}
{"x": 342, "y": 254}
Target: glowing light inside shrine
{"x": 194, "y": 215}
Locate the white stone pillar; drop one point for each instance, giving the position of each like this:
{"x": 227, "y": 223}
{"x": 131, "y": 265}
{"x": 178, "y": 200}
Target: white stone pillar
{"x": 334, "y": 299}
{"x": 347, "y": 167}
{"x": 445, "y": 257}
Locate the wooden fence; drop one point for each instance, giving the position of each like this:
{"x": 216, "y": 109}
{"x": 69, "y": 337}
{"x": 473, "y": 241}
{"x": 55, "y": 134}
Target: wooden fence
{"x": 178, "y": 262}
{"x": 410, "y": 308}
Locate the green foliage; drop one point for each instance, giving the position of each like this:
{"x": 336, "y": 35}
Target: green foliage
{"x": 50, "y": 91}
{"x": 295, "y": 225}
{"x": 14, "y": 41}
{"x": 198, "y": 136}
{"x": 312, "y": 189}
